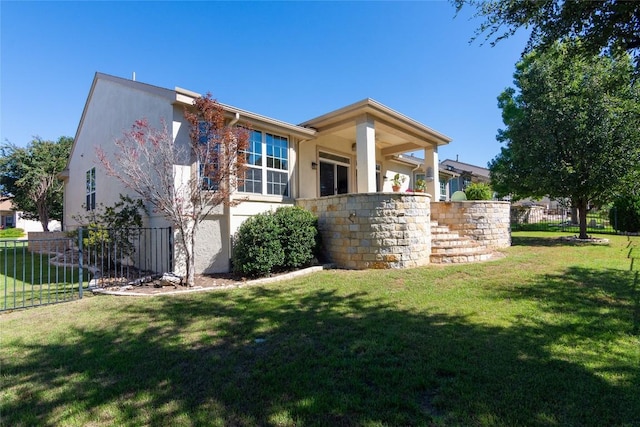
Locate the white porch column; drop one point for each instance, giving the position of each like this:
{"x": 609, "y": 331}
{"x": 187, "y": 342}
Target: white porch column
{"x": 366, "y": 154}
{"x": 431, "y": 167}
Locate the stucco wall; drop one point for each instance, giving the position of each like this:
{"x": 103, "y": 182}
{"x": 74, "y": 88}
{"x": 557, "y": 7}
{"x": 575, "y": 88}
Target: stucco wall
{"x": 111, "y": 109}
{"x": 375, "y": 230}
{"x": 484, "y": 221}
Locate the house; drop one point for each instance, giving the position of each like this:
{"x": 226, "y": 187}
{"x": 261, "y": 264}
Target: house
{"x": 462, "y": 174}
{"x": 11, "y": 218}
{"x": 356, "y": 149}
{"x": 7, "y": 214}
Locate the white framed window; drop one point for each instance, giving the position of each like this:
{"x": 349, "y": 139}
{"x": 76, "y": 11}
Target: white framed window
{"x": 90, "y": 202}
{"x": 267, "y": 164}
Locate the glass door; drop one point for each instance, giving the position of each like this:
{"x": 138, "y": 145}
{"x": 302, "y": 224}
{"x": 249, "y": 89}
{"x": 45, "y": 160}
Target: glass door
{"x": 334, "y": 174}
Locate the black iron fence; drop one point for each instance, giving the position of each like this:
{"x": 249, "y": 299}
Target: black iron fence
{"x": 537, "y": 218}
{"x": 59, "y": 267}
{"x": 117, "y": 257}
{"x": 38, "y": 272}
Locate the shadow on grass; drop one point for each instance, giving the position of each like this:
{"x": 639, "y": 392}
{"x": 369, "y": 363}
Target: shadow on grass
{"x": 268, "y": 357}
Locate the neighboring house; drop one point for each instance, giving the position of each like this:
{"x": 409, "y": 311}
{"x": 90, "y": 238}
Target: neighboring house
{"x": 462, "y": 174}
{"x": 355, "y": 149}
{"x": 7, "y": 214}
{"x": 445, "y": 176}
{"x": 10, "y": 218}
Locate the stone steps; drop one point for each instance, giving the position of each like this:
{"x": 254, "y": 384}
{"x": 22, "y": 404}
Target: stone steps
{"x": 448, "y": 247}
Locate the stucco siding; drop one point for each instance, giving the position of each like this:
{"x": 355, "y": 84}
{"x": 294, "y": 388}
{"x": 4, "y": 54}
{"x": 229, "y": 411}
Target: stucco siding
{"x": 112, "y": 108}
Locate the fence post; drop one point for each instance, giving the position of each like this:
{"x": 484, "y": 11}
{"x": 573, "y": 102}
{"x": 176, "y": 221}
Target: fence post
{"x": 80, "y": 263}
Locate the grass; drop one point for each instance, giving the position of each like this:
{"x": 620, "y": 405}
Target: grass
{"x": 548, "y": 336}
{"x": 28, "y": 279}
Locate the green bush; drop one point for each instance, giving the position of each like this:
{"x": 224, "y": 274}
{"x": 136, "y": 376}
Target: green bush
{"x": 298, "y": 236}
{"x": 275, "y": 241}
{"x": 257, "y": 249}
{"x": 625, "y": 214}
{"x": 110, "y": 231}
{"x": 479, "y": 191}
{"x": 11, "y": 233}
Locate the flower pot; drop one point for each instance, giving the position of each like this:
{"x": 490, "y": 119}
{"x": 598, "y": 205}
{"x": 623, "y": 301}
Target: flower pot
{"x": 395, "y": 188}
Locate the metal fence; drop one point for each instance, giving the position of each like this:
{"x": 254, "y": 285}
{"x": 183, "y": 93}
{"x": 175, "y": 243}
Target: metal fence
{"x": 537, "y": 218}
{"x": 117, "y": 257}
{"x": 61, "y": 267}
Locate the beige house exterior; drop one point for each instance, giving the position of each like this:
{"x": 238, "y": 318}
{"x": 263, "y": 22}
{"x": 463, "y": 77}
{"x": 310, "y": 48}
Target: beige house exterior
{"x": 356, "y": 149}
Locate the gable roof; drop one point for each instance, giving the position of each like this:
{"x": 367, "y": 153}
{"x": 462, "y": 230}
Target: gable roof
{"x": 6, "y": 204}
{"x": 461, "y": 167}
{"x": 383, "y": 115}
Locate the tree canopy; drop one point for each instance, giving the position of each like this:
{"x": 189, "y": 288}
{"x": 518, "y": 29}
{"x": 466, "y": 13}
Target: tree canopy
{"x": 30, "y": 176}
{"x": 602, "y": 25}
{"x": 572, "y": 129}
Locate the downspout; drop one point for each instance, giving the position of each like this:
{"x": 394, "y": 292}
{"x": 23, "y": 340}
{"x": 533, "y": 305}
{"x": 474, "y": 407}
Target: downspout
{"x": 227, "y": 207}
{"x": 235, "y": 119}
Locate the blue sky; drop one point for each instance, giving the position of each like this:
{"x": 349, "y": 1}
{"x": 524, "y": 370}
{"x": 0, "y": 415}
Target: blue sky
{"x": 288, "y": 60}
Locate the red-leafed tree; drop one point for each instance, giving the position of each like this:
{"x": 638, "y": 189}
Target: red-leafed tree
{"x": 183, "y": 182}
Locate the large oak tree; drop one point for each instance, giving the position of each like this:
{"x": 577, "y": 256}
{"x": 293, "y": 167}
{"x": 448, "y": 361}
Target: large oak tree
{"x": 601, "y": 25}
{"x": 572, "y": 129}
{"x": 30, "y": 176}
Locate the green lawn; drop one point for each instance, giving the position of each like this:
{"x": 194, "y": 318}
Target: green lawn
{"x": 28, "y": 279}
{"x": 548, "y": 336}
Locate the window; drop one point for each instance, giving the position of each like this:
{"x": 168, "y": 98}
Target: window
{"x": 270, "y": 176}
{"x": 209, "y": 155}
{"x": 443, "y": 190}
{"x": 90, "y": 203}
{"x": 207, "y": 175}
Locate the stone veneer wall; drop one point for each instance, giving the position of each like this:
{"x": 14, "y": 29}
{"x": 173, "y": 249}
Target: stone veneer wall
{"x": 374, "y": 230}
{"x": 48, "y": 242}
{"x": 485, "y": 221}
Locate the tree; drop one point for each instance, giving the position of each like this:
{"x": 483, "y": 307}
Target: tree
{"x": 572, "y": 130}
{"x": 30, "y": 176}
{"x": 602, "y": 25}
{"x": 182, "y": 182}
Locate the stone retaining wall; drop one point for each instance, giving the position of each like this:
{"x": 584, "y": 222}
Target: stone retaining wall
{"x": 48, "y": 242}
{"x": 374, "y": 230}
{"x": 485, "y": 221}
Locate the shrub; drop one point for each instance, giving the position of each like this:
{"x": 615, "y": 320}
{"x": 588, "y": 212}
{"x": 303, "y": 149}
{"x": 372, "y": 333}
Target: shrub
{"x": 625, "y": 214}
{"x": 298, "y": 236}
{"x": 110, "y": 231}
{"x": 257, "y": 249}
{"x": 479, "y": 191}
{"x": 11, "y": 233}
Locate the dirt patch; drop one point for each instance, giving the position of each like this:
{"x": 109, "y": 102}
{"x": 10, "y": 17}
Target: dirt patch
{"x": 205, "y": 282}
{"x": 590, "y": 240}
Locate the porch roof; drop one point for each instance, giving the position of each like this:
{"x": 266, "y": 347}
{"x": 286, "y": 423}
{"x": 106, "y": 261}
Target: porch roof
{"x": 395, "y": 132}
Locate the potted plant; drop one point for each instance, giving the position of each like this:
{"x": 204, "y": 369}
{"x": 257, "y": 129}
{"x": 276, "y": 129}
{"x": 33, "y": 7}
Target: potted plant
{"x": 397, "y": 181}
{"x": 421, "y": 186}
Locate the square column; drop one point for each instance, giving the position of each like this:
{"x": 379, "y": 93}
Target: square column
{"x": 432, "y": 176}
{"x": 366, "y": 154}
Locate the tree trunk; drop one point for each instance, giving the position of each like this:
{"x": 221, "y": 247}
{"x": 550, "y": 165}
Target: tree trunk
{"x": 186, "y": 248}
{"x": 582, "y": 213}
{"x": 43, "y": 215}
